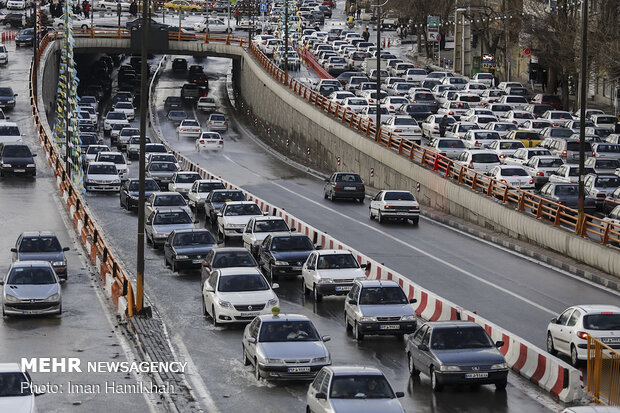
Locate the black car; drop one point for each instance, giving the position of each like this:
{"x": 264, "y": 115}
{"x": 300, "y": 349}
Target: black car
{"x": 41, "y": 246}
{"x": 344, "y": 77}
{"x": 216, "y": 199}
{"x": 173, "y": 102}
{"x": 284, "y": 254}
{"x": 7, "y": 98}
{"x": 327, "y": 12}
{"x": 417, "y": 111}
{"x": 344, "y": 185}
{"x": 225, "y": 258}
{"x": 179, "y": 65}
{"x": 87, "y": 128}
{"x": 186, "y": 248}
{"x": 16, "y": 158}
{"x": 87, "y": 139}
{"x": 137, "y": 23}
{"x": 11, "y": 20}
{"x": 199, "y": 79}
{"x": 129, "y": 192}
{"x": 25, "y": 37}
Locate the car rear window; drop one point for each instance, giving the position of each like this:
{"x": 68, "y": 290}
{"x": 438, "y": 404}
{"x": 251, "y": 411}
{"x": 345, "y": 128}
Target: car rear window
{"x": 485, "y": 158}
{"x": 574, "y": 146}
{"x": 451, "y": 143}
{"x": 424, "y": 96}
{"x": 514, "y": 172}
{"x": 470, "y": 98}
{"x": 399, "y": 196}
{"x": 603, "y": 321}
{"x": 527, "y": 135}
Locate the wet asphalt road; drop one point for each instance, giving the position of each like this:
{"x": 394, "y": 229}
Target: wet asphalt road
{"x": 83, "y": 330}
{"x": 217, "y": 351}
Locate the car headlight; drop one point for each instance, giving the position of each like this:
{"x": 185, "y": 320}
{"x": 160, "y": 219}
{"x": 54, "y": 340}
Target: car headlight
{"x": 11, "y": 101}
{"x": 59, "y": 263}
{"x": 10, "y": 299}
{"x": 281, "y": 263}
{"x": 30, "y": 165}
{"x": 224, "y": 304}
{"x": 6, "y": 165}
{"x": 182, "y": 257}
{"x": 320, "y": 360}
{"x": 274, "y": 361}
{"x": 53, "y": 297}
{"x": 361, "y": 278}
{"x": 272, "y": 302}
{"x": 449, "y": 368}
{"x": 499, "y": 366}
{"x": 134, "y": 198}
{"x": 408, "y": 318}
{"x": 368, "y": 319}
{"x": 326, "y": 281}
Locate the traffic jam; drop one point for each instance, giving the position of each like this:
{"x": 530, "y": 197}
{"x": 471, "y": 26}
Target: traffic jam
{"x": 246, "y": 265}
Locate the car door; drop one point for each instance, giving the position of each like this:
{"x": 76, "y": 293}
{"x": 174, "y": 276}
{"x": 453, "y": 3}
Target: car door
{"x": 418, "y": 357}
{"x": 571, "y": 328}
{"x": 375, "y": 202}
{"x": 248, "y": 235}
{"x": 205, "y": 271}
{"x": 191, "y": 196}
{"x": 349, "y": 308}
{"x": 315, "y": 388}
{"x": 252, "y": 332}
{"x": 168, "y": 251}
{"x": 149, "y": 204}
{"x": 264, "y": 253}
{"x": 209, "y": 291}
{"x": 308, "y": 271}
{"x": 148, "y": 227}
{"x": 559, "y": 332}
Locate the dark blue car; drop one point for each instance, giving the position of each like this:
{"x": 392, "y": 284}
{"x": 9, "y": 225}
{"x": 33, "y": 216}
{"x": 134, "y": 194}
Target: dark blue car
{"x": 186, "y": 248}
{"x": 284, "y": 254}
{"x": 16, "y": 158}
{"x": 7, "y": 98}
{"x": 129, "y": 192}
{"x": 41, "y": 246}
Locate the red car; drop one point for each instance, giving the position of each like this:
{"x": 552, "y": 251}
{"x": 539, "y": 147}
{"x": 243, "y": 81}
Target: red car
{"x": 611, "y": 201}
{"x": 330, "y": 3}
{"x": 552, "y": 100}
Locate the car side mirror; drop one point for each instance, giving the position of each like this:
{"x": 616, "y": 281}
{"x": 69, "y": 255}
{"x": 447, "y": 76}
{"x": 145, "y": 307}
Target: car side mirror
{"x": 326, "y": 338}
{"x": 1, "y": 282}
{"x": 321, "y": 396}
{"x": 352, "y": 301}
{"x": 251, "y": 340}
{"x": 15, "y": 95}
{"x": 327, "y": 180}
{"x": 554, "y": 321}
{"x": 13, "y": 249}
{"x": 293, "y": 229}
{"x": 219, "y": 214}
{"x": 413, "y": 301}
{"x": 423, "y": 347}
{"x": 196, "y": 221}
{"x": 34, "y": 155}
{"x": 66, "y": 249}
{"x": 275, "y": 285}
{"x": 318, "y": 247}
{"x": 363, "y": 266}
{"x": 400, "y": 394}
{"x": 499, "y": 344}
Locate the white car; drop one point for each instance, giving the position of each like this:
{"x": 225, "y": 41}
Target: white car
{"x": 516, "y": 102}
{"x": 189, "y": 128}
{"x": 369, "y": 113}
{"x": 126, "y": 108}
{"x": 541, "y": 168}
{"x": 512, "y": 175}
{"x": 518, "y": 117}
{"x": 76, "y": 23}
{"x": 505, "y": 147}
{"x": 354, "y": 104}
{"x": 430, "y": 125}
{"x": 259, "y": 228}
{"x": 330, "y": 272}
{"x": 111, "y": 5}
{"x": 200, "y": 190}
{"x": 479, "y": 160}
{"x": 10, "y": 133}
{"x": 498, "y": 109}
{"x": 521, "y": 156}
{"x": 91, "y": 153}
{"x": 212, "y": 141}
{"x": 558, "y": 118}
{"x": 212, "y": 25}
{"x": 19, "y": 398}
{"x": 536, "y": 124}
{"x": 415, "y": 75}
{"x": 405, "y": 127}
{"x": 602, "y": 120}
{"x": 102, "y": 177}
{"x": 453, "y": 108}
{"x": 233, "y": 217}
{"x": 17, "y": 4}
{"x": 111, "y": 118}
{"x": 568, "y": 174}
{"x": 217, "y": 122}
{"x": 475, "y": 88}
{"x": 206, "y": 104}
{"x": 117, "y": 159}
{"x": 567, "y": 334}
{"x": 459, "y": 129}
{"x": 503, "y": 128}
{"x": 182, "y": 182}
{"x": 4, "y": 55}
{"x": 480, "y": 138}
{"x": 506, "y": 85}
{"x": 482, "y": 120}
{"x": 393, "y": 204}
{"x": 484, "y": 78}
{"x": 339, "y": 96}
{"x": 237, "y": 294}
{"x": 165, "y": 201}
{"x": 92, "y": 113}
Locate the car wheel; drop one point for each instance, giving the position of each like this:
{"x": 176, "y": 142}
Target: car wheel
{"x": 361, "y": 200}
{"x": 166, "y": 261}
{"x": 331, "y": 196}
{"x": 59, "y": 310}
{"x": 501, "y": 385}
{"x": 256, "y": 371}
{"x": 574, "y": 359}
{"x": 413, "y": 372}
{"x": 85, "y": 27}
{"x": 325, "y": 195}
{"x": 380, "y": 217}
{"x": 415, "y": 221}
{"x": 303, "y": 287}
{"x": 173, "y": 266}
{"x": 435, "y": 382}
{"x": 317, "y": 296}
{"x": 550, "y": 347}
{"x": 244, "y": 357}
{"x": 204, "y": 308}
{"x": 215, "y": 322}
{"x": 346, "y": 322}
{"x": 357, "y": 333}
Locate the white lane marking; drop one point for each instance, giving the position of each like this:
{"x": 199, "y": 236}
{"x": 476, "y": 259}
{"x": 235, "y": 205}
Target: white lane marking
{"x": 421, "y": 251}
{"x": 528, "y": 258}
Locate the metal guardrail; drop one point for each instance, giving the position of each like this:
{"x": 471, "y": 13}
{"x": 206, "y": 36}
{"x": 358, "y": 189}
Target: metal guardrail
{"x": 603, "y": 372}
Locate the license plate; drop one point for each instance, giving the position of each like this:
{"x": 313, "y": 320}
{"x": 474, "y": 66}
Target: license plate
{"x": 249, "y": 314}
{"x": 389, "y": 327}
{"x": 476, "y": 375}
{"x": 196, "y": 261}
{"x": 402, "y": 213}
{"x": 299, "y": 369}
{"x": 19, "y": 170}
{"x": 349, "y": 188}
{"x": 344, "y": 288}
{"x": 611, "y": 340}
{"x": 296, "y": 268}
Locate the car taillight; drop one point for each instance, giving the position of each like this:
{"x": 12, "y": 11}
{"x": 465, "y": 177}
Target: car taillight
{"x": 593, "y": 154}
{"x": 202, "y": 141}
{"x": 391, "y": 107}
{"x": 443, "y": 153}
{"x": 531, "y": 181}
{"x": 563, "y": 153}
{"x": 502, "y": 156}
{"x": 478, "y": 143}
{"x": 414, "y": 208}
{"x": 389, "y": 207}
{"x": 338, "y": 187}
{"x": 540, "y": 174}
{"x": 450, "y": 113}
{"x": 606, "y": 313}
{"x": 515, "y": 122}
{"x": 362, "y": 188}
{"x": 600, "y": 195}
{"x": 582, "y": 335}
{"x": 561, "y": 202}
{"x": 225, "y": 123}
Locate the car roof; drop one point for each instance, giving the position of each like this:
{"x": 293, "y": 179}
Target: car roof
{"x": 283, "y": 317}
{"x": 208, "y": 181}
{"x": 378, "y": 283}
{"x": 166, "y": 193}
{"x": 100, "y": 163}
{"x": 31, "y": 263}
{"x": 333, "y": 252}
{"x": 239, "y": 271}
{"x": 229, "y": 249}
{"x": 450, "y": 324}
{"x": 31, "y": 234}
{"x": 240, "y": 203}
{"x": 192, "y": 230}
{"x": 595, "y": 308}
{"x": 269, "y": 218}
{"x": 10, "y": 368}
{"x": 357, "y": 370}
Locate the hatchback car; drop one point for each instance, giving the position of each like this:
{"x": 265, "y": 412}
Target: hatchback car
{"x": 284, "y": 347}
{"x": 394, "y": 205}
{"x": 31, "y": 288}
{"x": 568, "y": 333}
{"x": 41, "y": 246}
{"x": 330, "y": 272}
{"x": 186, "y": 248}
{"x": 344, "y": 185}
{"x": 159, "y": 225}
{"x": 16, "y": 390}
{"x": 17, "y": 159}
{"x": 456, "y": 352}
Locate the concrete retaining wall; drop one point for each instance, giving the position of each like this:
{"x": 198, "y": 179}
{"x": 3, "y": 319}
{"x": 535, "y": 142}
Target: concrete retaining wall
{"x": 327, "y": 139}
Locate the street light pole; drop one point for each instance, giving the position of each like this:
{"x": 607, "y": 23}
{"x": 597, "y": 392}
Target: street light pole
{"x": 582, "y": 123}
{"x": 286, "y": 41}
{"x": 378, "y": 72}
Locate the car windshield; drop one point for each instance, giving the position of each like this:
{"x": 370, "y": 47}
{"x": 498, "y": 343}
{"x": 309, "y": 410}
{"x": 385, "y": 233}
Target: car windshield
{"x": 603, "y": 321}
{"x": 456, "y": 338}
{"x": 9, "y": 130}
{"x": 209, "y": 186}
{"x": 194, "y": 238}
{"x": 14, "y": 384}
{"x": 39, "y": 244}
{"x": 485, "y": 158}
{"x": 149, "y": 185}
{"x": 163, "y": 167}
{"x": 163, "y": 158}
{"x": 116, "y": 116}
{"x": 607, "y": 181}
{"x": 226, "y": 259}
{"x": 227, "y": 196}
{"x": 336, "y": 262}
{"x": 186, "y": 178}
{"x": 242, "y": 282}
{"x": 348, "y": 178}
{"x": 31, "y": 276}
{"x": 513, "y": 172}
{"x": 548, "y": 163}
{"x": 283, "y": 331}
{"x": 382, "y": 296}
{"x": 172, "y": 218}
{"x": 169, "y": 200}
{"x": 271, "y": 225}
{"x": 527, "y": 135}
{"x": 363, "y": 386}
{"x": 510, "y": 145}
{"x": 398, "y": 196}
{"x": 292, "y": 243}
{"x": 114, "y": 158}
{"x": 566, "y": 190}
{"x": 242, "y": 209}
{"x": 102, "y": 170}
{"x": 17, "y": 151}
{"x": 87, "y": 139}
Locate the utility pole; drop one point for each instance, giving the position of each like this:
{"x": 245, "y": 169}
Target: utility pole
{"x": 286, "y": 41}
{"x": 250, "y": 25}
{"x": 378, "y": 72}
{"x": 582, "y": 122}
{"x": 68, "y": 111}
{"x": 35, "y": 45}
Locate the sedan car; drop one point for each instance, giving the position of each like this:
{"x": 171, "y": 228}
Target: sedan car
{"x": 343, "y": 389}
{"x": 218, "y": 197}
{"x": 186, "y": 248}
{"x": 284, "y": 254}
{"x": 189, "y": 128}
{"x": 159, "y": 225}
{"x": 379, "y": 308}
{"x": 161, "y": 172}
{"x": 568, "y": 333}
{"x": 233, "y": 295}
{"x": 176, "y": 116}
{"x": 102, "y": 177}
{"x": 17, "y": 159}
{"x": 600, "y": 186}
{"x": 343, "y": 185}
{"x": 448, "y": 147}
{"x": 405, "y": 127}
{"x": 479, "y": 160}
{"x": 512, "y": 175}
{"x": 7, "y": 98}
{"x": 430, "y": 126}
{"x": 217, "y": 122}
{"x": 31, "y": 288}
{"x": 330, "y": 272}
{"x": 111, "y": 118}
{"x": 542, "y": 167}
{"x": 117, "y": 159}
{"x": 480, "y": 138}
{"x": 394, "y": 205}
{"x": 456, "y": 352}
{"x": 567, "y": 195}
{"x": 200, "y": 190}
{"x": 284, "y": 347}
{"x": 182, "y": 182}
{"x": 233, "y": 217}
{"x": 259, "y": 228}
{"x": 129, "y": 193}
{"x": 206, "y": 104}
{"x": 225, "y": 258}
{"x": 212, "y": 141}
{"x": 602, "y": 165}
{"x": 37, "y": 246}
